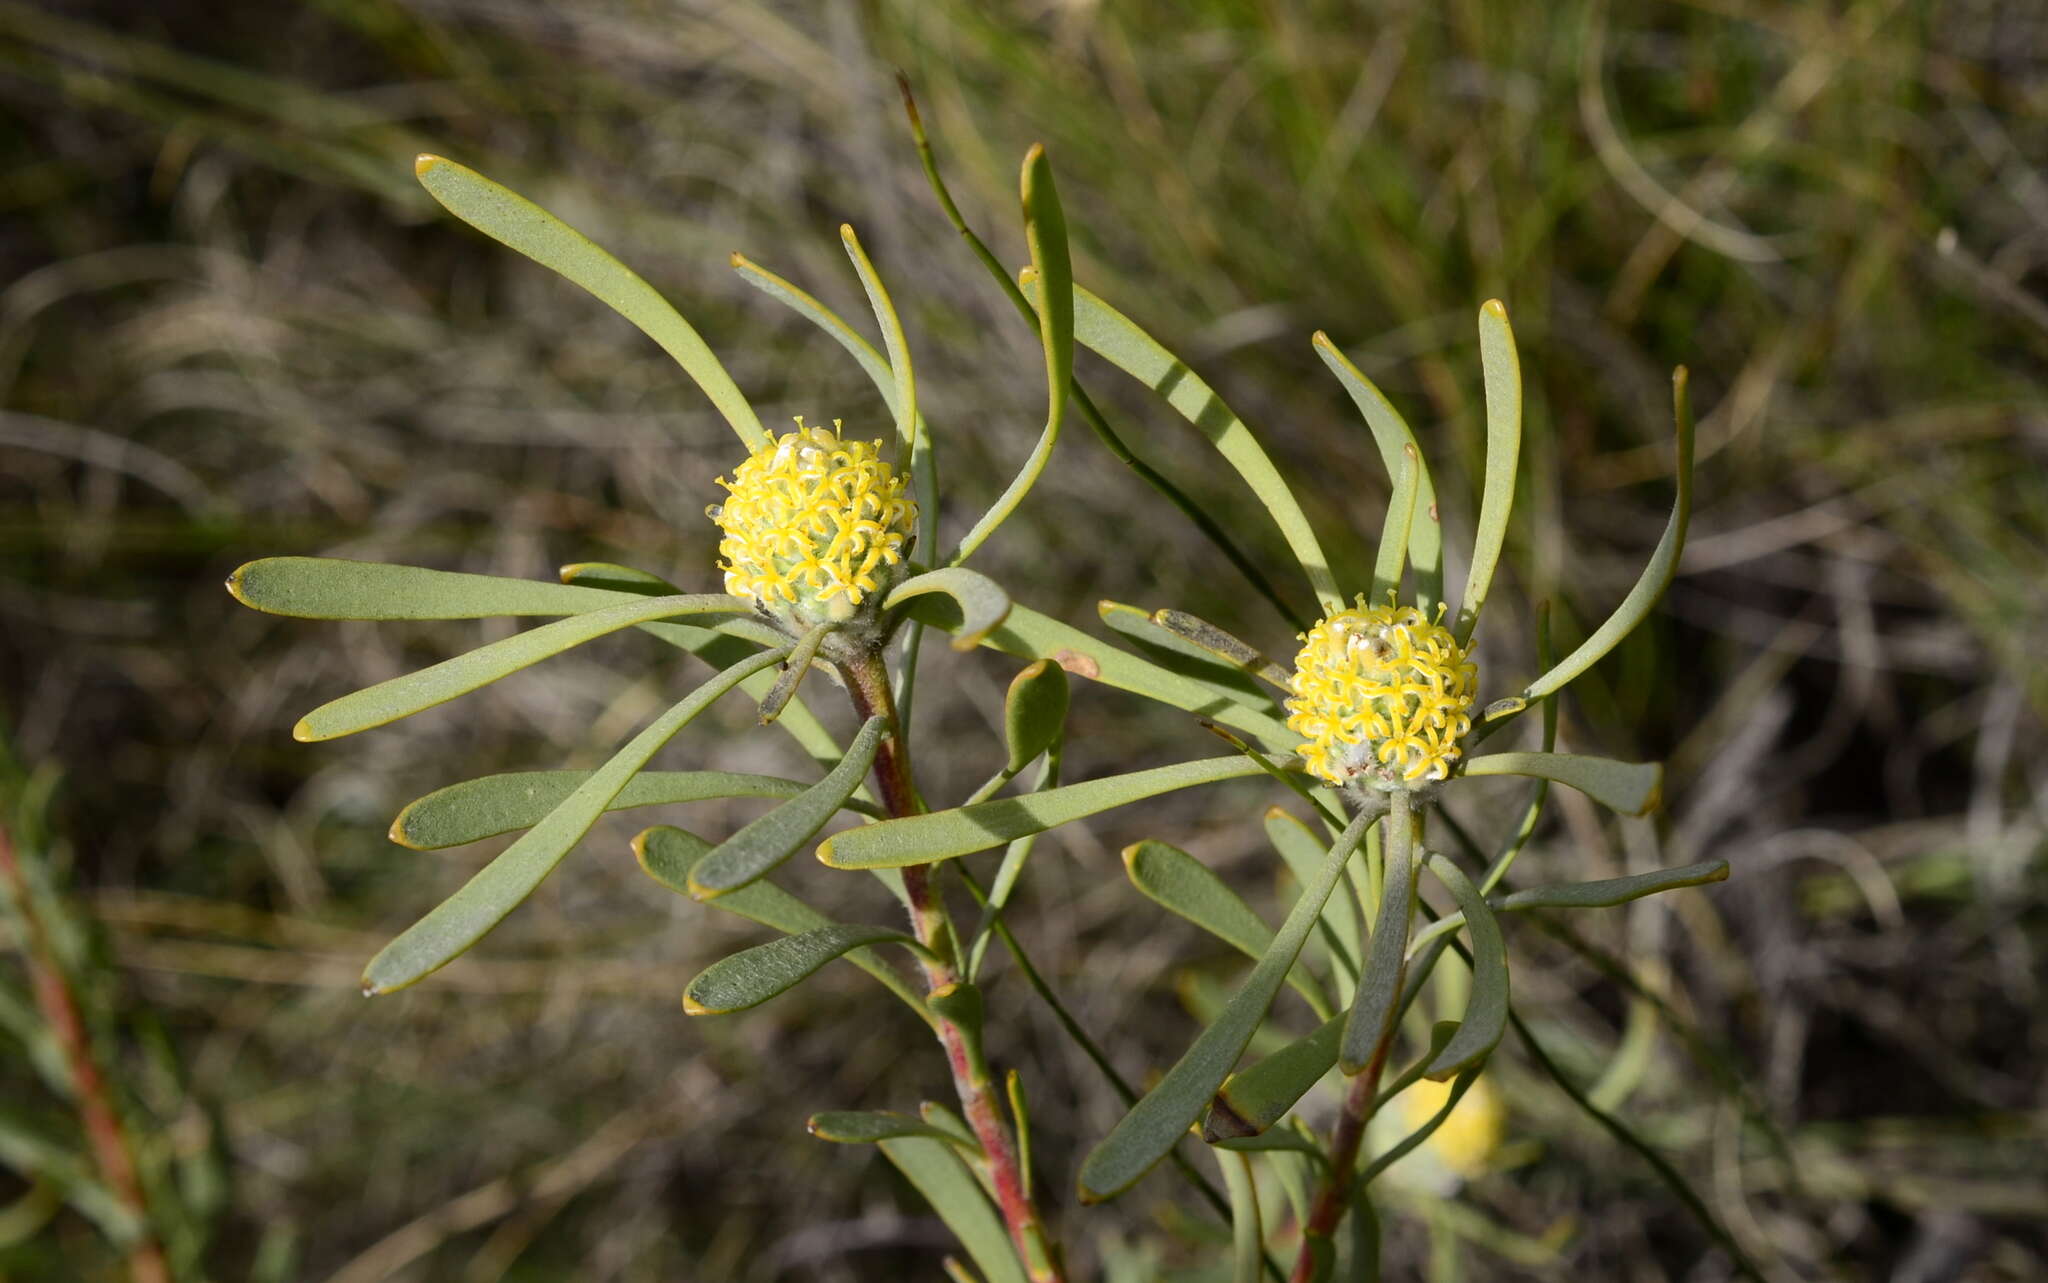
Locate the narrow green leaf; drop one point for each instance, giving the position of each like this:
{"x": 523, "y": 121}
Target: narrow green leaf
{"x": 1169, "y": 650}
{"x": 1251, "y": 1101}
{"x": 942, "y": 835}
{"x": 1390, "y": 432}
{"x": 1163, "y": 1116}
{"x": 477, "y": 809}
{"x": 1502, "y": 372}
{"x": 1020, "y": 1117}
{"x": 667, "y": 854}
{"x": 1045, "y": 231}
{"x": 1605, "y": 893}
{"x": 1486, "y": 1010}
{"x": 873, "y": 1126}
{"x": 1301, "y": 848}
{"x": 333, "y": 588}
{"x": 613, "y": 578}
{"x": 462, "y": 919}
{"x": 1394, "y": 531}
{"x": 793, "y": 671}
{"x": 1247, "y": 1232}
{"x": 1109, "y": 333}
{"x": 1656, "y": 576}
{"x": 904, "y": 403}
{"x": 1186, "y": 887}
{"x": 982, "y": 602}
{"x": 1422, "y": 1133}
{"x": 1374, "y": 1006}
{"x": 753, "y": 976}
{"x": 949, "y": 1187}
{"x": 403, "y": 696}
{"x": 1211, "y": 640}
{"x": 1632, "y": 788}
{"x": 1034, "y": 713}
{"x": 511, "y": 219}
{"x": 768, "y": 841}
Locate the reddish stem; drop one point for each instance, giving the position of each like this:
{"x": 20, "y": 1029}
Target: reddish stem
{"x": 868, "y": 683}
{"x": 1334, "y": 1198}
{"x": 103, "y": 1131}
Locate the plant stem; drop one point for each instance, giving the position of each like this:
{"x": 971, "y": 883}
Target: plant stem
{"x": 103, "y": 1130}
{"x": 867, "y": 680}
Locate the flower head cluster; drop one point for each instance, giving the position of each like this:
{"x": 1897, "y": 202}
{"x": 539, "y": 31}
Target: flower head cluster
{"x": 814, "y": 522}
{"x": 1381, "y": 693}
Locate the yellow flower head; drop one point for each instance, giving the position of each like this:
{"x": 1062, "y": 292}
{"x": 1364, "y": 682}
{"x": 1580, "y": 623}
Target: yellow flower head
{"x": 813, "y": 520}
{"x": 1465, "y": 1146}
{"x": 1383, "y": 693}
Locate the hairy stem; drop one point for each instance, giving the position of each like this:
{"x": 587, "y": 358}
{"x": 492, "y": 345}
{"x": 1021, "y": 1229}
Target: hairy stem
{"x": 868, "y": 682}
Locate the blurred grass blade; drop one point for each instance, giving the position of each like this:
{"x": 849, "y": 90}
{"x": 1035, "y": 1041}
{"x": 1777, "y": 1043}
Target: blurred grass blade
{"x": 614, "y": 578}
{"x": 1486, "y": 1010}
{"x": 1034, "y": 713}
{"x": 768, "y": 841}
{"x": 1045, "y": 231}
{"x": 1502, "y": 371}
{"x": 510, "y": 218}
{"x": 667, "y": 854}
{"x": 477, "y": 809}
{"x": 1163, "y": 1116}
{"x": 333, "y": 588}
{"x": 794, "y": 669}
{"x": 753, "y": 976}
{"x": 1656, "y": 576}
{"x": 1390, "y": 432}
{"x": 403, "y": 696}
{"x": 1186, "y": 887}
{"x": 983, "y": 604}
{"x": 1632, "y": 788}
{"x": 462, "y": 919}
{"x": 904, "y": 403}
{"x": 944, "y": 1181}
{"x": 943, "y": 835}
{"x": 1031, "y": 635}
{"x": 1177, "y": 654}
{"x": 1394, "y": 530}
{"x": 1104, "y": 330}
{"x": 1376, "y": 1004}
{"x": 873, "y": 1126}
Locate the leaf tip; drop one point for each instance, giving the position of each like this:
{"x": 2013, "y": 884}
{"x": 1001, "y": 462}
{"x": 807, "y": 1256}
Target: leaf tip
{"x": 1496, "y": 309}
{"x": 303, "y": 732}
{"x": 827, "y": 856}
{"x": 694, "y": 1008}
{"x": 1224, "y": 1122}
{"x": 399, "y": 834}
{"x": 424, "y": 163}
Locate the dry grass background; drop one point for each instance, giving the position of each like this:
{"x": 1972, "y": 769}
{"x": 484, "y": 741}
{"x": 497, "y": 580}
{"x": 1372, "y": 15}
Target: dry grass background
{"x": 233, "y": 327}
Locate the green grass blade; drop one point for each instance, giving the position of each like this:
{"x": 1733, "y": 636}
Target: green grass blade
{"x": 753, "y": 976}
{"x": 1486, "y": 1011}
{"x": 1045, "y": 231}
{"x": 1656, "y": 576}
{"x": 1188, "y": 888}
{"x": 1109, "y": 333}
{"x": 904, "y": 403}
{"x": 1375, "y": 1005}
{"x": 1390, "y": 432}
{"x": 511, "y": 219}
{"x": 667, "y": 854}
{"x": 765, "y": 843}
{"x": 983, "y": 604}
{"x": 437, "y": 684}
{"x": 1034, "y": 713}
{"x": 463, "y": 918}
{"x": 481, "y": 808}
{"x": 333, "y": 588}
{"x": 1163, "y": 1116}
{"x": 1632, "y": 788}
{"x": 1394, "y": 531}
{"x": 873, "y": 1126}
{"x": 943, "y": 835}
{"x": 1502, "y": 371}
{"x": 943, "y": 1180}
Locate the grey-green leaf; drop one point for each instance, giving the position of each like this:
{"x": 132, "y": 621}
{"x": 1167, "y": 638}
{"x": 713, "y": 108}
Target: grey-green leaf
{"x": 1632, "y": 788}
{"x": 511, "y": 219}
{"x": 873, "y": 1126}
{"x": 477, "y": 809}
{"x": 902, "y": 378}
{"x": 462, "y": 919}
{"x": 1486, "y": 1010}
{"x": 768, "y": 841}
{"x": 1502, "y": 372}
{"x": 983, "y": 604}
{"x": 755, "y": 975}
{"x": 939, "y": 1175}
{"x": 1390, "y": 432}
{"x": 1169, "y": 650}
{"x": 334, "y": 588}
{"x": 439, "y": 683}
{"x": 942, "y": 835}
{"x": 1377, "y": 1003}
{"x": 1608, "y": 892}
{"x": 1185, "y": 886}
{"x": 1158, "y": 1121}
{"x": 1034, "y": 712}
{"x": 615, "y": 578}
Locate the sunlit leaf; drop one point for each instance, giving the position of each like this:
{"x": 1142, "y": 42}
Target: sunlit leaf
{"x": 1632, "y": 788}
{"x": 1391, "y": 434}
{"x": 613, "y": 578}
{"x": 1211, "y": 640}
{"x": 982, "y": 602}
{"x": 510, "y": 218}
{"x": 794, "y": 670}
{"x": 1034, "y": 713}
{"x": 333, "y": 588}
{"x": 1162, "y": 646}
{"x": 1164, "y": 1114}
{"x": 904, "y": 403}
{"x": 482, "y": 808}
{"x": 1394, "y": 530}
{"x": 1375, "y": 1005}
{"x": 768, "y": 841}
{"x": 873, "y": 1126}
{"x": 1302, "y": 850}
{"x": 1486, "y": 1009}
{"x": 462, "y": 919}
{"x": 1502, "y": 371}
{"x": 403, "y": 696}
{"x": 942, "y": 835}
{"x": 1184, "y": 886}
{"x": 935, "y": 1169}
{"x": 753, "y": 976}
